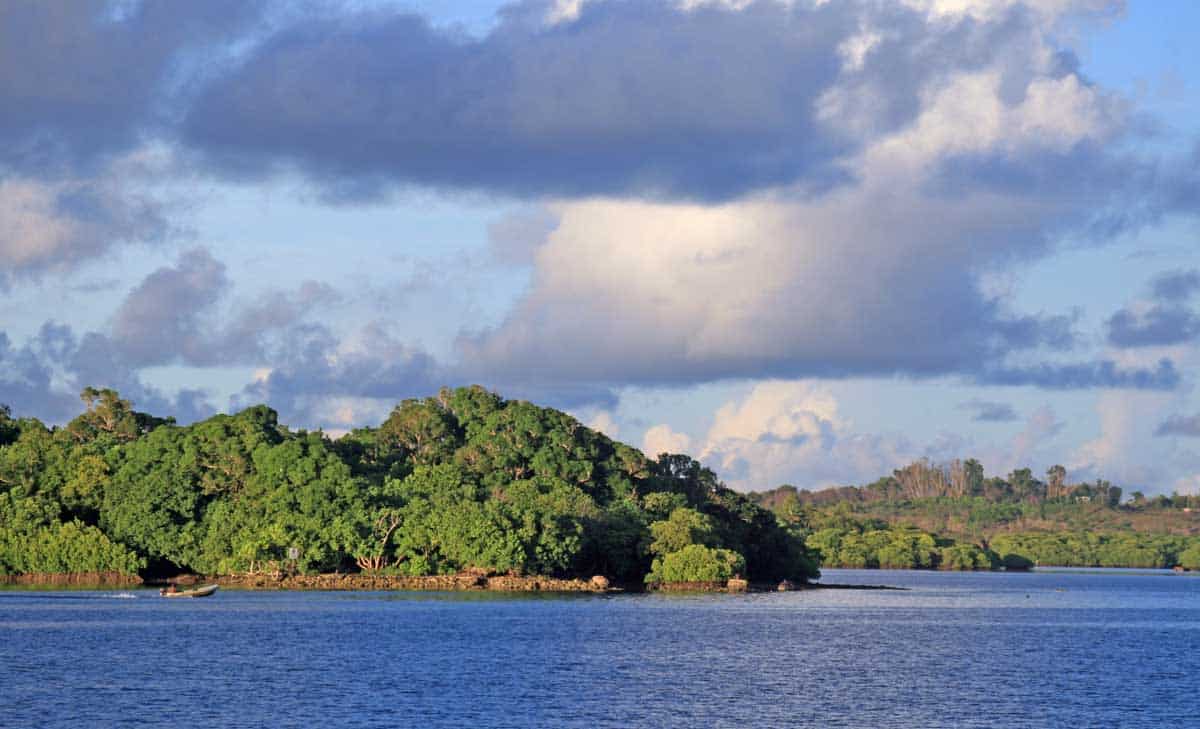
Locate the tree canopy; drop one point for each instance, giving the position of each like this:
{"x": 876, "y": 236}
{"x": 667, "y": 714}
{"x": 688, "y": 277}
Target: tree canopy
{"x": 461, "y": 480}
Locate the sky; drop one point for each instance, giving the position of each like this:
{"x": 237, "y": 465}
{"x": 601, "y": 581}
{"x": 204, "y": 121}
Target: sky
{"x": 805, "y": 241}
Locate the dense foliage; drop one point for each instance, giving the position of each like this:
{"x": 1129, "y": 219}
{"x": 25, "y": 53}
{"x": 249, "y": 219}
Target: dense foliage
{"x": 463, "y": 480}
{"x": 844, "y": 541}
{"x": 1090, "y": 549}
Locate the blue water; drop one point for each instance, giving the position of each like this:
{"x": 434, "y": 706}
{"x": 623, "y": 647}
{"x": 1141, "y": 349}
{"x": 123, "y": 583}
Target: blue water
{"x": 1046, "y": 649}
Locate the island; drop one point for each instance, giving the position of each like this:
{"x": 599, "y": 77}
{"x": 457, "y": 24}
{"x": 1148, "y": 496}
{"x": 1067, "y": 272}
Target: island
{"x": 468, "y": 490}
{"x": 461, "y": 489}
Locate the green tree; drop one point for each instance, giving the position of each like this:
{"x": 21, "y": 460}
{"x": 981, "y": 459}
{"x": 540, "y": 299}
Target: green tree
{"x": 1189, "y": 558}
{"x": 697, "y": 563}
{"x": 685, "y": 527}
{"x": 422, "y": 431}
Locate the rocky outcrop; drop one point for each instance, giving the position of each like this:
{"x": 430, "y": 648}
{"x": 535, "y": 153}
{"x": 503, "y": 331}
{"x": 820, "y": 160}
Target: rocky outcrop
{"x": 473, "y": 580}
{"x": 686, "y": 586}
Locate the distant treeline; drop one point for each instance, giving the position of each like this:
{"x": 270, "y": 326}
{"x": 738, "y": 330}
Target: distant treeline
{"x": 957, "y": 479}
{"x": 953, "y": 516}
{"x": 845, "y": 541}
{"x": 462, "y": 480}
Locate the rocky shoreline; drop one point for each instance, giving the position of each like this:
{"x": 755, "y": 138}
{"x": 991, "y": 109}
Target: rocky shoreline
{"x": 477, "y": 581}
{"x": 74, "y": 579}
{"x": 438, "y": 583}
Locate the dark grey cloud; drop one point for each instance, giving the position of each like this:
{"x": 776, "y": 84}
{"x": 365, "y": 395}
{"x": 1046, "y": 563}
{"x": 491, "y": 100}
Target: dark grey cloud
{"x": 81, "y": 80}
{"x": 1169, "y": 318}
{"x": 316, "y": 370}
{"x": 159, "y": 321}
{"x": 1085, "y": 375}
{"x": 631, "y": 98}
{"x": 1182, "y": 425}
{"x": 27, "y": 374}
{"x": 43, "y": 378}
{"x": 1160, "y": 325}
{"x": 324, "y": 380}
{"x": 307, "y": 378}
{"x": 986, "y": 411}
{"x": 84, "y": 86}
{"x": 1178, "y": 285}
{"x": 173, "y": 316}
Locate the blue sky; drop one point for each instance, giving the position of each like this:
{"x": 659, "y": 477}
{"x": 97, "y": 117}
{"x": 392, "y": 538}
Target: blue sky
{"x": 807, "y": 242}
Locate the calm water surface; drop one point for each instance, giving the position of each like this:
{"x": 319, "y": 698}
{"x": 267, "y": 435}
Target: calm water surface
{"x": 1047, "y": 649}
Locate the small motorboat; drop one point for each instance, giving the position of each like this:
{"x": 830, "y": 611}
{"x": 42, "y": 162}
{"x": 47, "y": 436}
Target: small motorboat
{"x": 197, "y": 592}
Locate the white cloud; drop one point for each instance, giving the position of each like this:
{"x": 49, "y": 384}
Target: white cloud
{"x": 1048, "y": 10}
{"x": 969, "y": 115}
{"x": 30, "y": 230}
{"x": 661, "y": 439}
{"x": 604, "y": 422}
{"x": 789, "y": 432}
{"x": 55, "y": 226}
{"x": 854, "y": 49}
{"x": 563, "y": 11}
{"x": 777, "y": 409}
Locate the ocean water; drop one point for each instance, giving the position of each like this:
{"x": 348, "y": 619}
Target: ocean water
{"x": 1080, "y": 648}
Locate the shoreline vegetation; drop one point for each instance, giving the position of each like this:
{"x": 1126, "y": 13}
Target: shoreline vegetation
{"x": 467, "y": 490}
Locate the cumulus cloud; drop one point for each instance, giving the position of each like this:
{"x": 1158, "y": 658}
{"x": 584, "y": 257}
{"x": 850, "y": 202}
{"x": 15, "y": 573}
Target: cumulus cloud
{"x": 858, "y": 283}
{"x": 787, "y": 432}
{"x": 661, "y": 439}
{"x": 792, "y": 431}
{"x": 603, "y": 422}
{"x": 999, "y": 149}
